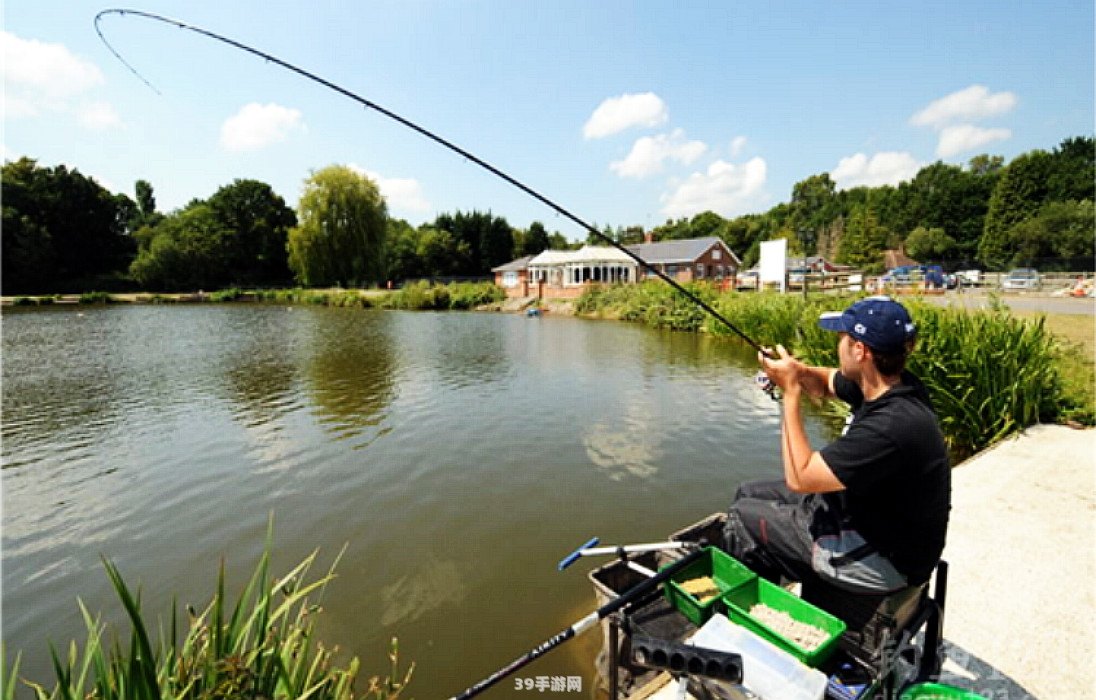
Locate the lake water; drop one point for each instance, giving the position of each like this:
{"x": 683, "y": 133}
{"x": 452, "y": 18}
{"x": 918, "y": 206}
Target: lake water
{"x": 458, "y": 456}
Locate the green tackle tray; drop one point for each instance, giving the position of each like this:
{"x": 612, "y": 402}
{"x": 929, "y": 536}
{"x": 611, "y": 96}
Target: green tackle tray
{"x": 937, "y": 691}
{"x": 725, "y": 570}
{"x": 740, "y": 599}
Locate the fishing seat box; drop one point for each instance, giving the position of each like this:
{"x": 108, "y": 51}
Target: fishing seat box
{"x": 872, "y": 621}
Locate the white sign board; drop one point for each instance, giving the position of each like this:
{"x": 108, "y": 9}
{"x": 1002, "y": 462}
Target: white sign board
{"x": 773, "y": 262}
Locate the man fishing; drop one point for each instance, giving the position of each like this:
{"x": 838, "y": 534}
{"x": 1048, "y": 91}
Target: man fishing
{"x": 868, "y": 512}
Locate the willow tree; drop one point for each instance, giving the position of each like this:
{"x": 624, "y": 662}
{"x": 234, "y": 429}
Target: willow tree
{"x": 341, "y": 236}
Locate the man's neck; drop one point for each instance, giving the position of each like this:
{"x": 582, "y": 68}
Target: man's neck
{"x": 873, "y": 385}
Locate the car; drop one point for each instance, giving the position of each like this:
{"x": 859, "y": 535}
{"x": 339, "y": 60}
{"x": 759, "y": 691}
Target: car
{"x": 1021, "y": 279}
{"x": 915, "y": 275}
{"x": 971, "y": 277}
{"x": 747, "y": 280}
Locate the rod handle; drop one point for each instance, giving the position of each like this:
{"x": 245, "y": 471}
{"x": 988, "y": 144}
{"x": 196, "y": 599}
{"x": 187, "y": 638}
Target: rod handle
{"x": 574, "y": 556}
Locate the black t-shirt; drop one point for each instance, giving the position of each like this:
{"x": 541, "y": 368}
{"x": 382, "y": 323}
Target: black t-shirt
{"x": 894, "y": 465}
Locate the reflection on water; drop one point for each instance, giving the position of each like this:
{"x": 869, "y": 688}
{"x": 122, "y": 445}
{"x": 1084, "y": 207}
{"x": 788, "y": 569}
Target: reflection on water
{"x": 457, "y": 456}
{"x": 433, "y": 585}
{"x": 350, "y": 372}
{"x": 628, "y": 444}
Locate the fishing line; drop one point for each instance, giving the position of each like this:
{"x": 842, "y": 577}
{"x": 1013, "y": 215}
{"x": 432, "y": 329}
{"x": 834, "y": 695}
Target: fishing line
{"x": 368, "y": 104}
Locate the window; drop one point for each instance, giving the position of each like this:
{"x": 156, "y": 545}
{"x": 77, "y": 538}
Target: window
{"x": 716, "y": 254}
{"x": 700, "y": 271}
{"x": 510, "y": 279}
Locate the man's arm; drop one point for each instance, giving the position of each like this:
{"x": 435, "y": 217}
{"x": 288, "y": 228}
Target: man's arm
{"x": 817, "y": 382}
{"x": 805, "y": 471}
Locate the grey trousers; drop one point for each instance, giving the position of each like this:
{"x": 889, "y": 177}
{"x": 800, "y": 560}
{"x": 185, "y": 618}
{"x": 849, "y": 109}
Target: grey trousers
{"x": 780, "y": 534}
{"x": 768, "y": 529}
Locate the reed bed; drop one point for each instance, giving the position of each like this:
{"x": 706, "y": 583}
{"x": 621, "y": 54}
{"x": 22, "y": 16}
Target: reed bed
{"x": 425, "y": 296}
{"x": 262, "y": 646}
{"x": 989, "y": 373}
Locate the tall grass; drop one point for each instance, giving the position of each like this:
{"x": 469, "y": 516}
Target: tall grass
{"x": 425, "y": 296}
{"x": 988, "y": 372}
{"x": 262, "y": 646}
{"x": 96, "y": 298}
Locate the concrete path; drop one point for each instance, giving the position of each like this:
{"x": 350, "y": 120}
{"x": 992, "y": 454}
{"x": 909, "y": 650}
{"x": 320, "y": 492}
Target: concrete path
{"x": 1020, "y": 618}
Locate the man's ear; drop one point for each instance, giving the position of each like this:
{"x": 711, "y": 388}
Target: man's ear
{"x": 860, "y": 350}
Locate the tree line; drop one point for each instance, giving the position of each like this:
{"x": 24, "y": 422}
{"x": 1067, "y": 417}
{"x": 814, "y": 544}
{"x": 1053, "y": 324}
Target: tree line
{"x": 63, "y": 232}
{"x": 987, "y": 214}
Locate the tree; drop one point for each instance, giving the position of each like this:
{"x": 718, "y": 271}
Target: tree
{"x": 557, "y": 241}
{"x": 341, "y": 236}
{"x": 864, "y": 240}
{"x": 1018, "y": 195}
{"x": 72, "y": 230}
{"x": 535, "y": 240}
{"x": 188, "y": 250}
{"x": 488, "y": 240}
{"x": 259, "y": 222}
{"x": 1073, "y": 171}
{"x": 1059, "y": 230}
{"x": 929, "y": 243}
{"x": 144, "y": 212}
{"x": 813, "y": 206}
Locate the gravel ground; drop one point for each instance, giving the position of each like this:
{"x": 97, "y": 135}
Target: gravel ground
{"x": 1020, "y": 618}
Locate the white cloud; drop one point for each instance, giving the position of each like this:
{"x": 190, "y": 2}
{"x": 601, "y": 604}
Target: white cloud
{"x": 650, "y": 152}
{"x": 967, "y": 137}
{"x": 402, "y": 194}
{"x": 41, "y": 77}
{"x": 884, "y": 168}
{"x": 50, "y": 70}
{"x": 969, "y": 104}
{"x": 256, "y": 126}
{"x": 737, "y": 144}
{"x": 99, "y": 116}
{"x": 616, "y": 114}
{"x": 725, "y": 188}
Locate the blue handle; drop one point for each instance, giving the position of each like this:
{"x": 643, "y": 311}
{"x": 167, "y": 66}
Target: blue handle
{"x": 573, "y": 556}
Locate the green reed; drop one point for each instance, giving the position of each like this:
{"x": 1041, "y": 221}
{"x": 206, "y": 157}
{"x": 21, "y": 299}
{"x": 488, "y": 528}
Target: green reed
{"x": 989, "y": 373}
{"x": 261, "y": 646}
{"x": 427, "y": 296}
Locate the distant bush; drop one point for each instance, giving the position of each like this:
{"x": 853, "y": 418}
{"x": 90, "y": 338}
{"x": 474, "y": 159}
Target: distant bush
{"x": 469, "y": 295}
{"x": 96, "y": 298}
{"x": 230, "y": 294}
{"x": 24, "y": 301}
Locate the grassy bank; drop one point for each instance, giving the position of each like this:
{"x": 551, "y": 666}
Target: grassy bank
{"x": 417, "y": 296}
{"x": 262, "y": 646}
{"x": 990, "y": 372}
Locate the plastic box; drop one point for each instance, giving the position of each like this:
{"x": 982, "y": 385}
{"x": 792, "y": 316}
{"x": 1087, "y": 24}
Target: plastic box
{"x": 937, "y": 691}
{"x": 767, "y": 671}
{"x": 726, "y": 571}
{"x": 740, "y": 599}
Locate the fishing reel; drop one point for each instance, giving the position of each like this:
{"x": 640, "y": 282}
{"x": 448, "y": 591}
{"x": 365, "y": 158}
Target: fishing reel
{"x": 766, "y": 385}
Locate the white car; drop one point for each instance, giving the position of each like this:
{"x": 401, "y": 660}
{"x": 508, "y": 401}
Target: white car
{"x": 1021, "y": 279}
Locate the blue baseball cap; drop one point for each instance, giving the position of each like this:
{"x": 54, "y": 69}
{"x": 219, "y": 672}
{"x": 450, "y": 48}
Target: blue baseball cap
{"x": 879, "y": 322}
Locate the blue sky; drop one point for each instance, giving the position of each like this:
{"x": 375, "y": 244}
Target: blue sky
{"x": 623, "y": 112}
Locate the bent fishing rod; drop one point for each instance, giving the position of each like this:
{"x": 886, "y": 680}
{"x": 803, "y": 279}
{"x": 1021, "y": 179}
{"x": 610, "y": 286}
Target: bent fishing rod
{"x": 369, "y": 104}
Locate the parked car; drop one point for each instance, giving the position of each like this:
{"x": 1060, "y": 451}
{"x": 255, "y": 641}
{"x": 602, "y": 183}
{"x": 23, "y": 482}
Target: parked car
{"x": 747, "y": 279}
{"x": 970, "y": 277}
{"x": 1021, "y": 279}
{"x": 915, "y": 275}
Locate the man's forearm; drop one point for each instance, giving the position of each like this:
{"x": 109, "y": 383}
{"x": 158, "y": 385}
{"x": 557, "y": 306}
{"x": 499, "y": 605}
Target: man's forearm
{"x": 796, "y": 445}
{"x": 815, "y": 381}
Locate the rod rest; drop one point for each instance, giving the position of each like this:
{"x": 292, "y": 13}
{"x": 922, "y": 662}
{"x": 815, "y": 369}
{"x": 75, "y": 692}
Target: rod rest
{"x": 680, "y": 658}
